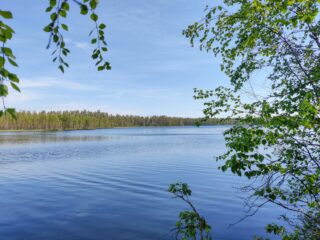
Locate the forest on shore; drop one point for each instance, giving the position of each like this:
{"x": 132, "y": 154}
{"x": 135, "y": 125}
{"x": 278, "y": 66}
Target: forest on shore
{"x": 76, "y": 120}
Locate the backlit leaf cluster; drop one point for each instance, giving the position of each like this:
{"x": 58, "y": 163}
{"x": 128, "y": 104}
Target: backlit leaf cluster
{"x": 58, "y": 10}
{"x": 191, "y": 225}
{"x": 277, "y": 144}
{"x": 7, "y": 62}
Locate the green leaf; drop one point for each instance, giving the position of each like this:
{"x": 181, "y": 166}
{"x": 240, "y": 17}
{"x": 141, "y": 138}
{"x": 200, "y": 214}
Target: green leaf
{"x": 11, "y": 112}
{"x": 61, "y": 68}
{"x": 63, "y": 13}
{"x": 53, "y": 16}
{"x": 7, "y": 33}
{"x": 13, "y": 77}
{"x": 6, "y": 14}
{"x": 94, "y": 17}
{"x": 48, "y": 9}
{"x": 13, "y": 63}
{"x": 15, "y": 87}
{"x": 102, "y": 26}
{"x": 3, "y": 90}
{"x": 65, "y": 6}
{"x": 7, "y": 51}
{"x": 55, "y": 38}
{"x": 83, "y": 9}
{"x": 47, "y": 28}
{"x": 64, "y": 26}
{"x": 93, "y": 4}
{"x": 53, "y": 3}
{"x": 2, "y": 62}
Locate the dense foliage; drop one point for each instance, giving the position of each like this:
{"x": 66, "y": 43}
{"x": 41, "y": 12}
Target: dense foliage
{"x": 58, "y": 11}
{"x": 278, "y": 143}
{"x": 191, "y": 225}
{"x": 70, "y": 120}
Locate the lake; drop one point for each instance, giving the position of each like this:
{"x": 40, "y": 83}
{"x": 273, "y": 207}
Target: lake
{"x": 112, "y": 184}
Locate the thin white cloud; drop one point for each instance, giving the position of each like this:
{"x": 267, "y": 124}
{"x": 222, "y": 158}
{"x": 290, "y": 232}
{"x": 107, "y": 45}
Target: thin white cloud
{"x": 81, "y": 45}
{"x": 15, "y": 98}
{"x": 150, "y": 94}
{"x": 49, "y": 82}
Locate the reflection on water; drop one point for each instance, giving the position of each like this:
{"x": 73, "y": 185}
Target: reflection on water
{"x": 111, "y": 184}
{"x": 43, "y": 137}
{"x": 84, "y": 135}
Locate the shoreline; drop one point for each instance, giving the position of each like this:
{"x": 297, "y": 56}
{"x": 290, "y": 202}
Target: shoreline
{"x": 66, "y": 130}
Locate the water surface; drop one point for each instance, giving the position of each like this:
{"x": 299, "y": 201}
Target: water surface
{"x": 111, "y": 184}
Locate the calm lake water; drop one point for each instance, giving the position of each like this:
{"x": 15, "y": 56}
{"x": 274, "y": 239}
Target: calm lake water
{"x": 111, "y": 184}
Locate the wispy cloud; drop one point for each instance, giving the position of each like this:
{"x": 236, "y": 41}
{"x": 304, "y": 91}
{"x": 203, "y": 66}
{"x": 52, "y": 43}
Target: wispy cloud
{"x": 154, "y": 69}
{"x": 145, "y": 94}
{"x": 81, "y": 45}
{"x": 49, "y": 82}
{"x": 15, "y": 98}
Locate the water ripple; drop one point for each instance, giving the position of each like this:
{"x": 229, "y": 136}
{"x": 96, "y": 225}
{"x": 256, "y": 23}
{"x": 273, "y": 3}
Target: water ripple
{"x": 111, "y": 184}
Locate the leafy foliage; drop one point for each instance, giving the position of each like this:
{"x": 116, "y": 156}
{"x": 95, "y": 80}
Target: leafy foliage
{"x": 58, "y": 10}
{"x": 191, "y": 224}
{"x": 6, "y": 56}
{"x": 278, "y": 141}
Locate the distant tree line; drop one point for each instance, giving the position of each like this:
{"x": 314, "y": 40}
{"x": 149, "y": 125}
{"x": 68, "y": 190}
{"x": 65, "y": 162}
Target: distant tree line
{"x": 72, "y": 120}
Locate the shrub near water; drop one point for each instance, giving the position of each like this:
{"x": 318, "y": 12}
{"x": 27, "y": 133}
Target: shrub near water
{"x": 276, "y": 44}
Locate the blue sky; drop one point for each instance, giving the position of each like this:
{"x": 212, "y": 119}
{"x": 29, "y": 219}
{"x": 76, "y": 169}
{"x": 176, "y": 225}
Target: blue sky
{"x": 154, "y": 69}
